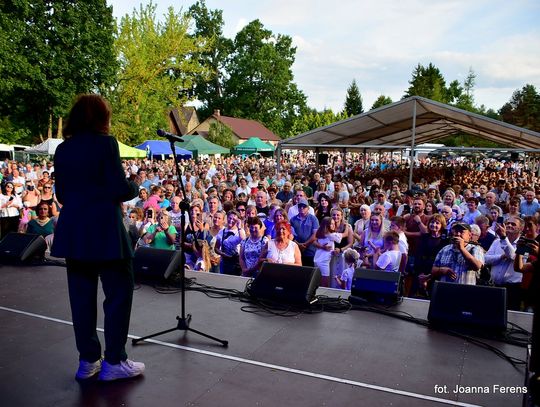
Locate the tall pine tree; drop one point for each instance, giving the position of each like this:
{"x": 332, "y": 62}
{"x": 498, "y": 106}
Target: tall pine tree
{"x": 353, "y": 100}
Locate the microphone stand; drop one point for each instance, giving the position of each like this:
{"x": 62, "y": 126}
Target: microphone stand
{"x": 183, "y": 319}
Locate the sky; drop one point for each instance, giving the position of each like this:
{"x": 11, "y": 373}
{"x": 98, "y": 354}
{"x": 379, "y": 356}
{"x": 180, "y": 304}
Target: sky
{"x": 379, "y": 43}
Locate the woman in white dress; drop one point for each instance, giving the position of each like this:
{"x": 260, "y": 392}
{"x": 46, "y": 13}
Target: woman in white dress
{"x": 282, "y": 249}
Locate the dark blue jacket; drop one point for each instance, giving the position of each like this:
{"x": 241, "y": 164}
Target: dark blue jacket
{"x": 91, "y": 185}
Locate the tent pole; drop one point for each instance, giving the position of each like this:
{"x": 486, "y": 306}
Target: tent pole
{"x": 278, "y": 159}
{"x": 317, "y": 159}
{"x": 412, "y": 145}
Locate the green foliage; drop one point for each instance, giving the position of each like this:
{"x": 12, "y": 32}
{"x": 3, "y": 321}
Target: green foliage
{"x": 10, "y": 134}
{"x": 353, "y": 100}
{"x": 209, "y": 85}
{"x": 220, "y": 134}
{"x": 260, "y": 80}
{"x": 429, "y": 82}
{"x": 156, "y": 68}
{"x": 465, "y": 99}
{"x": 312, "y": 119}
{"x": 50, "y": 52}
{"x": 523, "y": 109}
{"x": 467, "y": 140}
{"x": 488, "y": 112}
{"x": 381, "y": 101}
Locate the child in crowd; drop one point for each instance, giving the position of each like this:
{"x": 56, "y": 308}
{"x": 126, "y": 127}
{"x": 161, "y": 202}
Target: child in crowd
{"x": 351, "y": 258}
{"x": 390, "y": 259}
{"x": 397, "y": 224}
{"x": 202, "y": 252}
{"x": 155, "y": 200}
{"x": 326, "y": 238}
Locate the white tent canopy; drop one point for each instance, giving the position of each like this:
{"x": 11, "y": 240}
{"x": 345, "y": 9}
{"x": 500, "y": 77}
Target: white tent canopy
{"x": 407, "y": 123}
{"x": 411, "y": 121}
{"x": 47, "y": 147}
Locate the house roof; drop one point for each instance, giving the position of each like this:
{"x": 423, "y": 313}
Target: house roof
{"x": 245, "y": 128}
{"x": 181, "y": 117}
{"x": 392, "y": 125}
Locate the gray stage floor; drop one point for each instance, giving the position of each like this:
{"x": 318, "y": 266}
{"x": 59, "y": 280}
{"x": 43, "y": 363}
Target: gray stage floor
{"x": 350, "y": 359}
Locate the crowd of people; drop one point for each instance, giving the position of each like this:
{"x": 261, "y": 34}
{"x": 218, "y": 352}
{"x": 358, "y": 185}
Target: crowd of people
{"x": 461, "y": 221}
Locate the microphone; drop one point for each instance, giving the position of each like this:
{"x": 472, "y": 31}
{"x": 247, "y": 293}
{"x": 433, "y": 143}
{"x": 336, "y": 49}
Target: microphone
{"x": 168, "y": 136}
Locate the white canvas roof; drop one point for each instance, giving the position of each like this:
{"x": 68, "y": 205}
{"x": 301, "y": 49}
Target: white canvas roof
{"x": 392, "y": 126}
{"x": 47, "y": 147}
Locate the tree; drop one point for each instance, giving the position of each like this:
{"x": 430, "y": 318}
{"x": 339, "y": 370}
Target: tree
{"x": 381, "y": 101}
{"x": 312, "y": 120}
{"x": 221, "y": 134}
{"x": 209, "y": 28}
{"x": 353, "y": 100}
{"x": 156, "y": 70}
{"x": 466, "y": 98}
{"x": 260, "y": 80}
{"x": 523, "y": 109}
{"x": 50, "y": 52}
{"x": 429, "y": 82}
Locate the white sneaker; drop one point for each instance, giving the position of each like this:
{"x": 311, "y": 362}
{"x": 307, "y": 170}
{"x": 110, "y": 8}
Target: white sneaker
{"x": 123, "y": 370}
{"x": 88, "y": 369}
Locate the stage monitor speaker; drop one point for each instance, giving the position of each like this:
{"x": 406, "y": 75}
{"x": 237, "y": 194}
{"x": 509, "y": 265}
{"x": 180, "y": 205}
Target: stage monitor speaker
{"x": 286, "y": 284}
{"x": 155, "y": 265}
{"x": 469, "y": 307}
{"x": 21, "y": 247}
{"x": 323, "y": 159}
{"x": 376, "y": 286}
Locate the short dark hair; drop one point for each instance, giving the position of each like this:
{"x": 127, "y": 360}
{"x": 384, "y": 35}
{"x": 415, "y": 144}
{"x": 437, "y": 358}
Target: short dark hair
{"x": 255, "y": 221}
{"x": 391, "y": 237}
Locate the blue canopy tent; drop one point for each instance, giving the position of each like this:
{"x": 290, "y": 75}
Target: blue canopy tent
{"x": 158, "y": 148}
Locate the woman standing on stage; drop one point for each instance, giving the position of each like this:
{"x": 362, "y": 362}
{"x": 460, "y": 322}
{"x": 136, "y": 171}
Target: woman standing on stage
{"x": 88, "y": 163}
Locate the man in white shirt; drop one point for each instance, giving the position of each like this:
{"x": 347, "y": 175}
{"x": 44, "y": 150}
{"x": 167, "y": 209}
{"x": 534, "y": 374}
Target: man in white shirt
{"x": 381, "y": 200}
{"x": 18, "y": 181}
{"x": 501, "y": 255}
{"x": 341, "y": 195}
{"x": 293, "y": 210}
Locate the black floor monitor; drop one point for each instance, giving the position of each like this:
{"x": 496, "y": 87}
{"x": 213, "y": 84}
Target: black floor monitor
{"x": 286, "y": 284}
{"x": 469, "y": 307}
{"x": 155, "y": 265}
{"x": 376, "y": 286}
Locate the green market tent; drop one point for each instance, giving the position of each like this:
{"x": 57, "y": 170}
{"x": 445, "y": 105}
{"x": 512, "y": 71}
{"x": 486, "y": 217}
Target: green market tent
{"x": 198, "y": 145}
{"x": 130, "y": 152}
{"x": 254, "y": 145}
